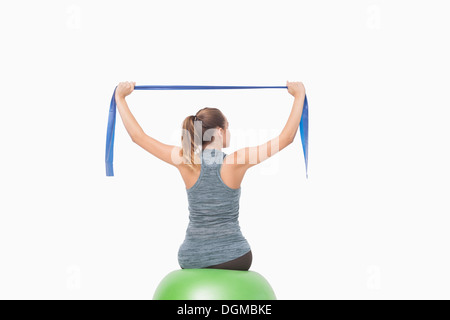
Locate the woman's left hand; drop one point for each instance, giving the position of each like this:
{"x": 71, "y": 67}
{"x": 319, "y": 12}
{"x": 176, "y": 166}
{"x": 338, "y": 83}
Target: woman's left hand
{"x": 124, "y": 89}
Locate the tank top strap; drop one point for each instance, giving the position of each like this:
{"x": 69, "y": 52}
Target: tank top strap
{"x": 212, "y": 158}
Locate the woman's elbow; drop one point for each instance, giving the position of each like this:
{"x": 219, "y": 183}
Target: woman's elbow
{"x": 285, "y": 140}
{"x": 136, "y": 137}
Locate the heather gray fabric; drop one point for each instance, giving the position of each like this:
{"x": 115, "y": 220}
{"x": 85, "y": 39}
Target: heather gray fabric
{"x": 213, "y": 235}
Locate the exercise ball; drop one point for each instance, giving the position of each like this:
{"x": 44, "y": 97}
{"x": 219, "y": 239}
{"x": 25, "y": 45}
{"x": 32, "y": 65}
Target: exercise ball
{"x": 214, "y": 284}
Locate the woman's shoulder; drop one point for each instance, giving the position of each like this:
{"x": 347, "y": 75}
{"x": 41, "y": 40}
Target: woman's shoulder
{"x": 231, "y": 172}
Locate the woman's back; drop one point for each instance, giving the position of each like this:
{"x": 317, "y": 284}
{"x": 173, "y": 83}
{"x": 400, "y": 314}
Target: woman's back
{"x": 213, "y": 236}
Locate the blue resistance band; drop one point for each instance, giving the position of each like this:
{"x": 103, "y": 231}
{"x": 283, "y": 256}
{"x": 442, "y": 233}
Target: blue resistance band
{"x": 109, "y": 155}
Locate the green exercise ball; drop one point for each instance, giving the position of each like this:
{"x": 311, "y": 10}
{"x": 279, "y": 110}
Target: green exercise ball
{"x": 214, "y": 284}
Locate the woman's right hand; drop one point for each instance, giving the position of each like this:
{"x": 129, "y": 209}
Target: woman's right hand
{"x": 296, "y": 89}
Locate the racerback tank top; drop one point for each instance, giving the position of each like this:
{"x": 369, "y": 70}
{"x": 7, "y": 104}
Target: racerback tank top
{"x": 213, "y": 235}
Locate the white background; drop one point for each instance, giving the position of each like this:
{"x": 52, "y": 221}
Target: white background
{"x": 372, "y": 220}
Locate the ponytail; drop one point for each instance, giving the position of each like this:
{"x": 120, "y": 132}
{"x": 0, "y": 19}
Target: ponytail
{"x": 193, "y": 129}
{"x": 191, "y": 142}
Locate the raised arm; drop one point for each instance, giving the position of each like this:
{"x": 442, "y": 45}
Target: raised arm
{"x": 167, "y": 153}
{"x": 297, "y": 90}
{"x": 250, "y": 156}
{"x": 133, "y": 128}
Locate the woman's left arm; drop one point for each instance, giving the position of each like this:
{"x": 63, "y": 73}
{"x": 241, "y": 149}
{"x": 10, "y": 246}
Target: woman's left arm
{"x": 167, "y": 153}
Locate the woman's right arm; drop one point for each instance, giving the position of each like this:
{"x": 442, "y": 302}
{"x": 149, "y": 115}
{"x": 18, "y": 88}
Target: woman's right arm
{"x": 297, "y": 90}
{"x": 251, "y": 156}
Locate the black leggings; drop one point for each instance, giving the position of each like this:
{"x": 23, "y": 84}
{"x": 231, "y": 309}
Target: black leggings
{"x": 243, "y": 263}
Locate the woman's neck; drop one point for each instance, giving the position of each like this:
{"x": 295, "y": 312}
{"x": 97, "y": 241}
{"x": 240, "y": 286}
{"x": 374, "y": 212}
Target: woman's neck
{"x": 209, "y": 147}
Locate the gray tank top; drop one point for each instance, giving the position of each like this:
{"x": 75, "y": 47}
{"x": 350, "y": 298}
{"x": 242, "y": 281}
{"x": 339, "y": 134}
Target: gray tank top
{"x": 213, "y": 235}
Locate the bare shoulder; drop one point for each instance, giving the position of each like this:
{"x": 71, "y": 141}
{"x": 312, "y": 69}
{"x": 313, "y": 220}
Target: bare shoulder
{"x": 189, "y": 175}
{"x": 248, "y": 157}
{"x": 237, "y": 158}
{"x": 232, "y": 172}
{"x": 240, "y": 158}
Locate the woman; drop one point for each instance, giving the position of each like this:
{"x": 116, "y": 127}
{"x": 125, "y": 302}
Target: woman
{"x": 212, "y": 178}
